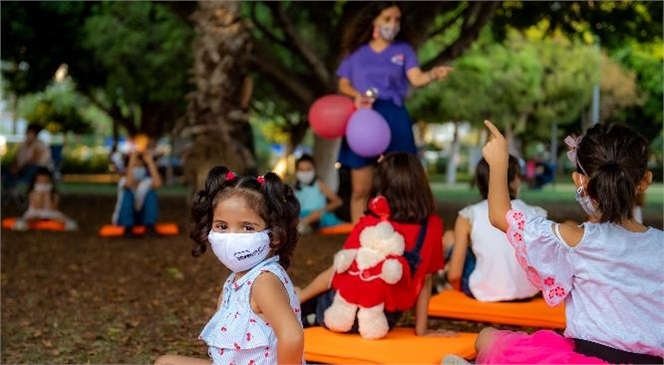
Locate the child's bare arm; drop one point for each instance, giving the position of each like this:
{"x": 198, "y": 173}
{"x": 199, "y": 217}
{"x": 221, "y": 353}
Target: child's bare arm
{"x": 461, "y": 242}
{"x": 270, "y": 297}
{"x": 317, "y": 286}
{"x": 422, "y": 306}
{"x": 496, "y": 155}
{"x": 334, "y": 200}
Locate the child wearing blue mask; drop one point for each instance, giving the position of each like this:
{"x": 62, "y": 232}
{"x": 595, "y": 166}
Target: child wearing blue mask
{"x": 137, "y": 203}
{"x": 317, "y": 200}
{"x": 251, "y": 225}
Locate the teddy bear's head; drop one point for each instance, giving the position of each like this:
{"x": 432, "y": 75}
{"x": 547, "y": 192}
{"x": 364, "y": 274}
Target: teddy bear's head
{"x": 377, "y": 242}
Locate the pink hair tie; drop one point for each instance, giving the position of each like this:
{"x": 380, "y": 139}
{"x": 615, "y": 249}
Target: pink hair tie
{"x": 230, "y": 175}
{"x": 573, "y": 144}
{"x": 260, "y": 179}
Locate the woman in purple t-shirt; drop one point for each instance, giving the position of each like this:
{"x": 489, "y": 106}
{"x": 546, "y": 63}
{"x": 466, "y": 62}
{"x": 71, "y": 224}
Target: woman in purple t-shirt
{"x": 380, "y": 58}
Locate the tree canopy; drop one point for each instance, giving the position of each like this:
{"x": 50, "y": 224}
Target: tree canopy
{"x": 133, "y": 58}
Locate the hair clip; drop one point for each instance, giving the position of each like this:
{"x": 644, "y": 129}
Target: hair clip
{"x": 573, "y": 144}
{"x": 230, "y": 175}
{"x": 260, "y": 179}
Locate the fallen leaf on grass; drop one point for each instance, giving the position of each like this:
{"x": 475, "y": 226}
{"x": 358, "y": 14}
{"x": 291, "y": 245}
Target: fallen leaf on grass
{"x": 175, "y": 273}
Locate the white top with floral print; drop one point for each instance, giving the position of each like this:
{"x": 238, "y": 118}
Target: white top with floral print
{"x": 612, "y": 282}
{"x": 236, "y": 334}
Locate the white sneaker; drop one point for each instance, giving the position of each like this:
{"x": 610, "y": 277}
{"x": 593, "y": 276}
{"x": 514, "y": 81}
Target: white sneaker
{"x": 20, "y": 225}
{"x": 454, "y": 360}
{"x": 71, "y": 225}
{"x": 303, "y": 229}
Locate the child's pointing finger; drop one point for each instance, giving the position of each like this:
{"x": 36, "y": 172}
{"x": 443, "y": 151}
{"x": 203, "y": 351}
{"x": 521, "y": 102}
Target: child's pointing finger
{"x": 494, "y": 131}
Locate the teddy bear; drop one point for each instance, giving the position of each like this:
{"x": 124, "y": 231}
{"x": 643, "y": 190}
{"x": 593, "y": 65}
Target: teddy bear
{"x": 365, "y": 276}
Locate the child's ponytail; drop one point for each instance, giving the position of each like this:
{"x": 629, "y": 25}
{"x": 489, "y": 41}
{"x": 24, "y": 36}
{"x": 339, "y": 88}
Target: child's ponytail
{"x": 614, "y": 191}
{"x": 202, "y": 207}
{"x": 283, "y": 211}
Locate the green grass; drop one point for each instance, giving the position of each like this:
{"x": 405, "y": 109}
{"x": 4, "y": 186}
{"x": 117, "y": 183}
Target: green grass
{"x": 111, "y": 189}
{"x": 560, "y": 193}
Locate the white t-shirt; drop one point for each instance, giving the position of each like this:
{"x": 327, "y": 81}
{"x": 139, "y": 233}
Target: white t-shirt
{"x": 26, "y": 151}
{"x": 497, "y": 275}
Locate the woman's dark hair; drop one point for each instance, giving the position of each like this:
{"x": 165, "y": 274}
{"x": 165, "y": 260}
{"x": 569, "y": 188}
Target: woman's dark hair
{"x": 42, "y": 171}
{"x": 481, "y": 179}
{"x": 305, "y": 158}
{"x": 615, "y": 159}
{"x": 400, "y": 178}
{"x": 360, "y": 30}
{"x": 272, "y": 200}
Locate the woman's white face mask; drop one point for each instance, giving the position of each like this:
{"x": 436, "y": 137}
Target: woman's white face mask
{"x": 388, "y": 31}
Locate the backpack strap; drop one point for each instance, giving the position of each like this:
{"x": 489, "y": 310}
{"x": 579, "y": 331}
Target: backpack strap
{"x": 413, "y": 257}
{"x": 420, "y": 237}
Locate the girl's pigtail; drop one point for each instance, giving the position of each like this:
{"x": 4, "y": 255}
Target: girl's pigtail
{"x": 202, "y": 207}
{"x": 283, "y": 214}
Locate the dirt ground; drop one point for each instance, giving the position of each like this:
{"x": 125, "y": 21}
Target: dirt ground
{"x": 77, "y": 298}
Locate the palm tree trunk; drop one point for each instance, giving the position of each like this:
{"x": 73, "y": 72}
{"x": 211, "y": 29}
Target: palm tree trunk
{"x": 220, "y": 125}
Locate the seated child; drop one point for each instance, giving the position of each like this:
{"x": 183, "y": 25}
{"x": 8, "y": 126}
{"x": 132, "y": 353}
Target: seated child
{"x": 482, "y": 264}
{"x": 317, "y": 200}
{"x": 137, "y": 203}
{"x": 401, "y": 180}
{"x": 43, "y": 202}
{"x": 608, "y": 271}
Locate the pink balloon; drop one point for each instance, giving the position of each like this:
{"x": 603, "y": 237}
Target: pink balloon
{"x": 367, "y": 133}
{"x": 329, "y": 115}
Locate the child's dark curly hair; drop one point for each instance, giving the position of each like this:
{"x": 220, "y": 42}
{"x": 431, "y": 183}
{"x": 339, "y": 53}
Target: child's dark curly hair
{"x": 273, "y": 200}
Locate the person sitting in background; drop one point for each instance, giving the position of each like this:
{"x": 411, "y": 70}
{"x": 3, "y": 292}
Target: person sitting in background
{"x": 30, "y": 156}
{"x": 482, "y": 264}
{"x": 43, "y": 201}
{"x": 317, "y": 200}
{"x": 137, "y": 203}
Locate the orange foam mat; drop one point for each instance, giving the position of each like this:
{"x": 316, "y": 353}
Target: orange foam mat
{"x": 535, "y": 313}
{"x": 343, "y": 228}
{"x": 400, "y": 346}
{"x": 45, "y": 225}
{"x": 164, "y": 229}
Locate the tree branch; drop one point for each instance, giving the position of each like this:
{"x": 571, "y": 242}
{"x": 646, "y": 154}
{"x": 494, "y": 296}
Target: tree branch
{"x": 469, "y": 33}
{"x": 265, "y": 32}
{"x": 282, "y": 78}
{"x": 424, "y": 14}
{"x": 293, "y": 36}
{"x": 448, "y": 23}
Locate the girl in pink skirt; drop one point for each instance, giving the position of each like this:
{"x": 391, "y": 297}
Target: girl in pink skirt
{"x": 608, "y": 271}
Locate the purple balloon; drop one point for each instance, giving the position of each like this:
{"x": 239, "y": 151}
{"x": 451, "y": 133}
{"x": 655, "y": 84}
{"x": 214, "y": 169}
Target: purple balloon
{"x": 367, "y": 133}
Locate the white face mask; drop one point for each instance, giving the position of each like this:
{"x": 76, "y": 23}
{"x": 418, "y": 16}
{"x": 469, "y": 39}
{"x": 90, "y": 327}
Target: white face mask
{"x": 139, "y": 173}
{"x": 388, "y": 31}
{"x": 305, "y": 177}
{"x": 585, "y": 202}
{"x": 43, "y": 187}
{"x": 240, "y": 251}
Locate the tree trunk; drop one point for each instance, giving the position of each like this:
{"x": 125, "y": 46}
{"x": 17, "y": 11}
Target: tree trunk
{"x": 450, "y": 175}
{"x": 220, "y": 125}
